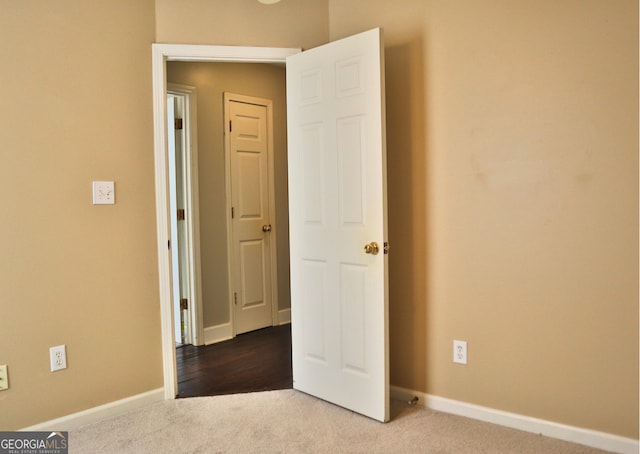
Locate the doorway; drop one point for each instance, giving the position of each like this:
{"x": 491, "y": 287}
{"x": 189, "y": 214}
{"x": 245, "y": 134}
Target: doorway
{"x": 212, "y": 80}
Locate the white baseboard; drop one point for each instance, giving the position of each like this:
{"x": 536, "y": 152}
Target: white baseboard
{"x": 224, "y": 331}
{"x": 284, "y": 316}
{"x": 218, "y": 333}
{"x": 118, "y": 407}
{"x": 592, "y": 438}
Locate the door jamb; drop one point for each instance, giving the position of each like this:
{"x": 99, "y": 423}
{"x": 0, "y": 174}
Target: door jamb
{"x": 229, "y": 97}
{"x": 161, "y": 53}
{"x": 192, "y": 209}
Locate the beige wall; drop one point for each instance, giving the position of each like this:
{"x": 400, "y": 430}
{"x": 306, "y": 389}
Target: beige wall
{"x": 513, "y": 201}
{"x": 211, "y": 81}
{"x": 291, "y": 23}
{"x": 76, "y": 107}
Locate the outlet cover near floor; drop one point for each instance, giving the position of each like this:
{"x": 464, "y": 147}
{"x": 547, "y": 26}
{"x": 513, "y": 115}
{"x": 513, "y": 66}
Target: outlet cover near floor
{"x": 58, "y": 357}
{"x": 459, "y": 352}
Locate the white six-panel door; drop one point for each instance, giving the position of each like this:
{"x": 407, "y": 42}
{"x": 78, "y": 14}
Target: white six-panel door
{"x": 337, "y": 206}
{"x": 251, "y": 225}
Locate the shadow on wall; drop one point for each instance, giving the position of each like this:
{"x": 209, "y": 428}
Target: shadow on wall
{"x": 407, "y": 193}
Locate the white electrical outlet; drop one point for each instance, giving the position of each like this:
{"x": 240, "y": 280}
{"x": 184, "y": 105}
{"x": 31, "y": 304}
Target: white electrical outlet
{"x": 4, "y": 378}
{"x": 459, "y": 352}
{"x": 104, "y": 193}
{"x": 58, "y": 357}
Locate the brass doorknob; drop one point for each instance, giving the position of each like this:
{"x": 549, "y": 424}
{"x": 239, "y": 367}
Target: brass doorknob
{"x": 266, "y": 228}
{"x": 371, "y": 248}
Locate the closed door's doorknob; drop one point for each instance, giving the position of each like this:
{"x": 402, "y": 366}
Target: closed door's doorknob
{"x": 266, "y": 228}
{"x": 371, "y": 248}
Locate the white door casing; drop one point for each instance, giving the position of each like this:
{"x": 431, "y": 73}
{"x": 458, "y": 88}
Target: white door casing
{"x": 248, "y": 150}
{"x": 187, "y": 231}
{"x": 337, "y": 205}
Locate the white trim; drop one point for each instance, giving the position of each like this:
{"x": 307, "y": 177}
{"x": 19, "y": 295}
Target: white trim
{"x": 224, "y": 331}
{"x": 115, "y": 408}
{"x": 192, "y": 217}
{"x": 218, "y": 333}
{"x": 162, "y": 220}
{"x": 587, "y": 437}
{"x": 284, "y": 316}
{"x": 182, "y": 52}
{"x": 229, "y": 54}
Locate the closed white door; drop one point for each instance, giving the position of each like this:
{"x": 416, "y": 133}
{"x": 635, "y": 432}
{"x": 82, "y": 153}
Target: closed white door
{"x": 248, "y": 144}
{"x": 338, "y": 223}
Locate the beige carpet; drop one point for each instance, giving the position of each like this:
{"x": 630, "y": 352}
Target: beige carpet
{"x": 292, "y": 422}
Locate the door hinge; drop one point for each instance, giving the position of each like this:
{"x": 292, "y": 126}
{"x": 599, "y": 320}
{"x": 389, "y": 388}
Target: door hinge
{"x": 184, "y": 304}
{"x": 235, "y": 298}
{"x": 169, "y": 244}
{"x": 230, "y": 126}
{"x": 181, "y": 214}
{"x": 232, "y": 213}
{"x": 177, "y": 123}
{"x": 386, "y": 247}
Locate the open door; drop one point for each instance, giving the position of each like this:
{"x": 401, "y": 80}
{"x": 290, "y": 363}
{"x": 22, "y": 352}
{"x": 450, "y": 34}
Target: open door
{"x": 178, "y": 234}
{"x": 338, "y": 223}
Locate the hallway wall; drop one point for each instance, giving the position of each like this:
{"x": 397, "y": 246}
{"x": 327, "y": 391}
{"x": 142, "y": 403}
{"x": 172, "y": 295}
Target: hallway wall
{"x": 211, "y": 81}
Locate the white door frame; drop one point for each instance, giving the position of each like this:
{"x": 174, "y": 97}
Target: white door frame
{"x": 192, "y": 209}
{"x": 161, "y": 53}
{"x": 273, "y": 257}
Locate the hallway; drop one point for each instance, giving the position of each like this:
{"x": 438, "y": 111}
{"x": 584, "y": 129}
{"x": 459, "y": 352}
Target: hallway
{"x": 255, "y": 361}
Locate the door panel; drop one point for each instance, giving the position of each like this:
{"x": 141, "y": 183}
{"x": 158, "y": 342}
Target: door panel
{"x": 337, "y": 204}
{"x": 315, "y": 300}
{"x": 353, "y": 310}
{"x": 252, "y": 256}
{"x": 313, "y": 169}
{"x": 351, "y": 157}
{"x": 249, "y": 185}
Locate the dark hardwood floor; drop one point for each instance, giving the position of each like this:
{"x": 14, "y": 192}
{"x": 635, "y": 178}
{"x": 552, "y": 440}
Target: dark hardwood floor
{"x": 255, "y": 361}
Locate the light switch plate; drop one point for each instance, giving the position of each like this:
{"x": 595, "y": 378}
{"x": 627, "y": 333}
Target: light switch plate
{"x": 104, "y": 193}
{"x": 4, "y": 378}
